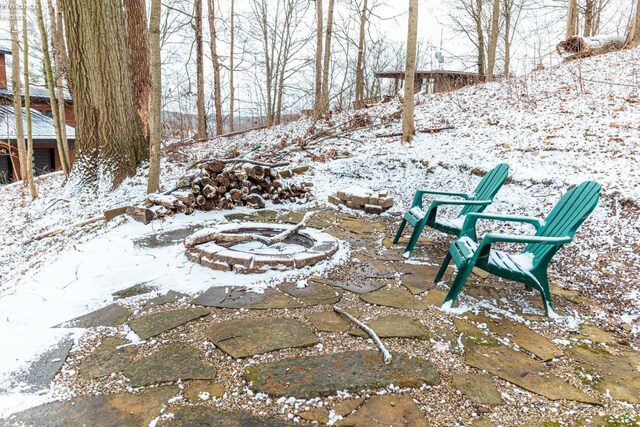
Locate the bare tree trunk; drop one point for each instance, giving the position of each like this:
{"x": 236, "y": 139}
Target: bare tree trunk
{"x": 17, "y": 95}
{"x": 155, "y": 111}
{"x": 109, "y": 141}
{"x": 633, "y": 34}
{"x": 359, "y": 72}
{"x": 64, "y": 57}
{"x": 408, "y": 127}
{"x": 572, "y": 18}
{"x": 57, "y": 42}
{"x": 202, "y": 117}
{"x": 318, "y": 87}
{"x": 327, "y": 59}
{"x": 27, "y": 102}
{"x": 589, "y": 10}
{"x": 216, "y": 67}
{"x": 479, "y": 31}
{"x": 58, "y": 122}
{"x": 135, "y": 17}
{"x": 231, "y": 70}
{"x": 507, "y": 40}
{"x": 493, "y": 39}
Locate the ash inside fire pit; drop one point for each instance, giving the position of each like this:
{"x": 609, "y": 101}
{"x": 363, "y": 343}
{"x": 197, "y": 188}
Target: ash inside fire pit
{"x": 255, "y": 247}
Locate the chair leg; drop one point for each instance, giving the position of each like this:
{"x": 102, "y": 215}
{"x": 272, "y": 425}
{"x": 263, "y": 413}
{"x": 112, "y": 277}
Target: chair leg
{"x": 413, "y": 239}
{"x": 400, "y": 230}
{"x": 546, "y": 295}
{"x": 443, "y": 268}
{"x": 457, "y": 284}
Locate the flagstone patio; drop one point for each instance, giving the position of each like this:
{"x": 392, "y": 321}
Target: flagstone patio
{"x": 283, "y": 357}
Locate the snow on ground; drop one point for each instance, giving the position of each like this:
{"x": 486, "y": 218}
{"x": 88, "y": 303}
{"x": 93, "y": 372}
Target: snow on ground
{"x": 555, "y": 128}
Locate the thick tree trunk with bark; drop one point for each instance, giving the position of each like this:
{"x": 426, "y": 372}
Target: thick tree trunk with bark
{"x": 27, "y": 103}
{"x": 155, "y": 111}
{"x": 572, "y": 18}
{"x": 231, "y": 69}
{"x": 408, "y": 127}
{"x": 327, "y": 58}
{"x": 216, "y": 67}
{"x": 109, "y": 141}
{"x": 202, "y": 116}
{"x": 135, "y": 16}
{"x": 57, "y": 43}
{"x": 318, "y": 84}
{"x": 15, "y": 85}
{"x": 58, "y": 122}
{"x": 359, "y": 72}
{"x": 493, "y": 39}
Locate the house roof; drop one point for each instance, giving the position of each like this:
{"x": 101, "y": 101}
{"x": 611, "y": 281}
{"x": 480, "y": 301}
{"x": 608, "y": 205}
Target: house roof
{"x": 41, "y": 125}
{"x": 36, "y": 93}
{"x": 5, "y": 51}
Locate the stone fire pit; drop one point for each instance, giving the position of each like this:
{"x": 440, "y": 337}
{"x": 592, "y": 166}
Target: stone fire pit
{"x": 245, "y": 247}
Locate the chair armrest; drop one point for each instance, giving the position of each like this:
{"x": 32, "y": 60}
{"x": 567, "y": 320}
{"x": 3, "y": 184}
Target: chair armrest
{"x": 469, "y": 226}
{"x": 417, "y": 199}
{"x": 512, "y": 238}
{"x": 439, "y": 202}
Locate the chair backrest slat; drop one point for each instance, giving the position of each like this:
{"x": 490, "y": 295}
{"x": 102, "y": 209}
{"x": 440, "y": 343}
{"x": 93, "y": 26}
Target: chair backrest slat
{"x": 488, "y": 187}
{"x": 565, "y": 218}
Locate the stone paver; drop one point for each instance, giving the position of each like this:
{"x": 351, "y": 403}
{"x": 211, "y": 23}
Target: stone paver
{"x": 229, "y": 297}
{"x": 168, "y": 298}
{"x": 135, "y": 290}
{"x": 595, "y": 334}
{"x": 616, "y": 374}
{"x": 395, "y": 326}
{"x": 521, "y": 335}
{"x": 166, "y": 238}
{"x": 108, "y": 358}
{"x": 201, "y": 390}
{"x": 172, "y": 362}
{"x": 42, "y": 371}
{"x": 417, "y": 278}
{"x": 346, "y": 407}
{"x": 366, "y": 267}
{"x": 358, "y": 286}
{"x": 320, "y": 414}
{"x": 248, "y": 337}
{"x": 313, "y": 294}
{"x": 150, "y": 325}
{"x": 330, "y": 321}
{"x": 192, "y": 416}
{"x": 395, "y": 297}
{"x": 435, "y": 297}
{"x": 523, "y": 371}
{"x": 111, "y": 315}
{"x": 478, "y": 388}
{"x": 104, "y": 410}
{"x": 387, "y": 411}
{"x": 312, "y": 376}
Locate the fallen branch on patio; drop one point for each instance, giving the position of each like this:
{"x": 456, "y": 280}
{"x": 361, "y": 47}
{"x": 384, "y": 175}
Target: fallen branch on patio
{"x": 385, "y": 353}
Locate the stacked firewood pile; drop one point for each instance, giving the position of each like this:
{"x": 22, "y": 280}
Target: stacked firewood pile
{"x": 223, "y": 184}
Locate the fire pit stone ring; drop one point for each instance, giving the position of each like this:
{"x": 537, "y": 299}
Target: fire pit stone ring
{"x": 242, "y": 248}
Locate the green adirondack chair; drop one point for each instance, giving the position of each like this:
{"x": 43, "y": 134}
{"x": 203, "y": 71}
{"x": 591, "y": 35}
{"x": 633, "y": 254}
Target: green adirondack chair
{"x": 529, "y": 266}
{"x": 477, "y": 201}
